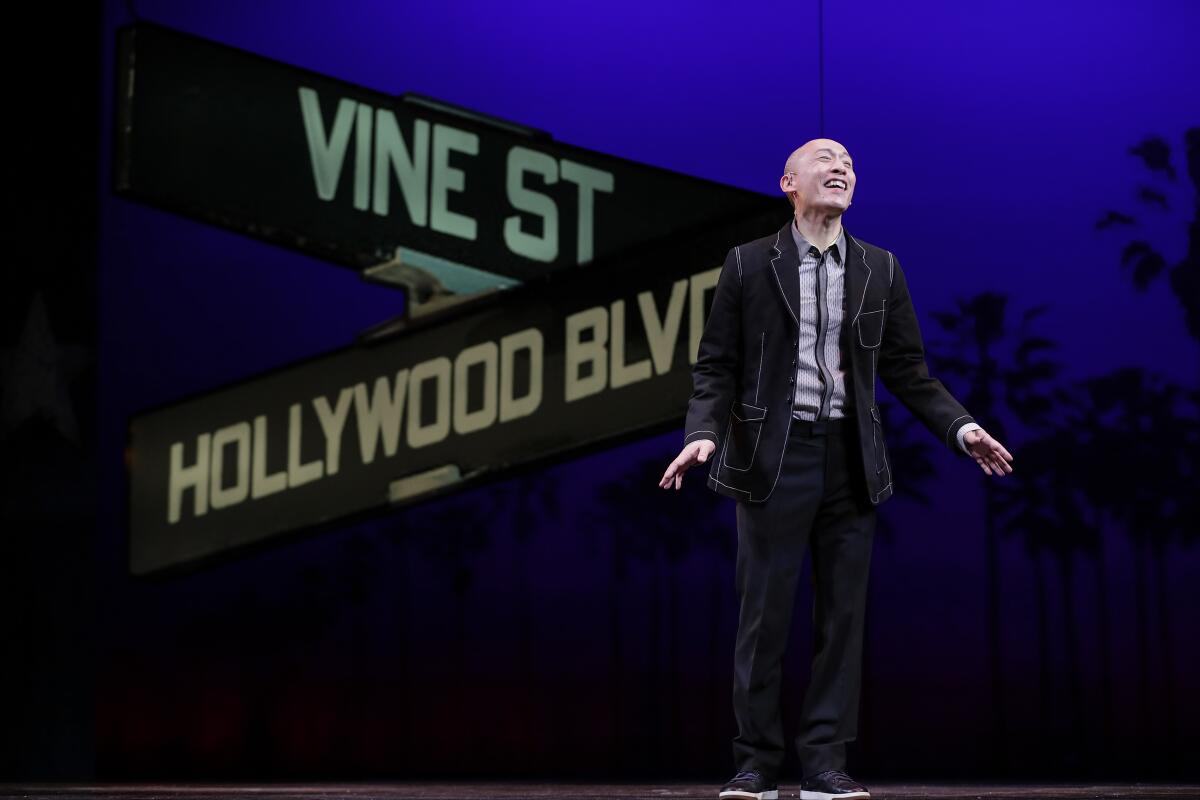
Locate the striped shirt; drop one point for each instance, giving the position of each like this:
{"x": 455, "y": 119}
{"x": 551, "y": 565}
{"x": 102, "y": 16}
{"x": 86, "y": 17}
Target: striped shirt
{"x": 820, "y": 380}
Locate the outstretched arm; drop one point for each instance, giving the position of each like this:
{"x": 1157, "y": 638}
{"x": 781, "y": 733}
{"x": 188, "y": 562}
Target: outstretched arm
{"x": 692, "y": 454}
{"x": 989, "y": 454}
{"x": 904, "y": 372}
{"x": 713, "y": 375}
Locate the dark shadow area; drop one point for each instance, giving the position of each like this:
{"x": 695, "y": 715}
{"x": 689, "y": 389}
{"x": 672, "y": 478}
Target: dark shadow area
{"x": 48, "y": 380}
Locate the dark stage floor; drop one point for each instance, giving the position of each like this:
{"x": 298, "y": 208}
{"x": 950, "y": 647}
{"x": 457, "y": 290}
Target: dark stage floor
{"x": 572, "y": 791}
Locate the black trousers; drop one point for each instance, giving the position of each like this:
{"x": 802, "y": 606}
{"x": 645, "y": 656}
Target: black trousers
{"x": 819, "y": 504}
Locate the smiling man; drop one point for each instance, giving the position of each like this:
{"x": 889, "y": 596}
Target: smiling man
{"x": 783, "y": 411}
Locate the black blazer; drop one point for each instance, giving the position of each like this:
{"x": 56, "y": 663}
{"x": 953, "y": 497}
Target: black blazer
{"x": 745, "y": 371}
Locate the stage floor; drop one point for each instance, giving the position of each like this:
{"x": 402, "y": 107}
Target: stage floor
{"x": 571, "y": 791}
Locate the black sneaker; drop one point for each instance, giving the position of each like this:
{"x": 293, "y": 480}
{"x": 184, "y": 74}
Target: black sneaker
{"x": 750, "y": 786}
{"x": 832, "y": 785}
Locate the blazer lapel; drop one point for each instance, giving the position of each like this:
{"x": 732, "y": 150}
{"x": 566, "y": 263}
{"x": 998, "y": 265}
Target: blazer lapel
{"x": 858, "y": 275}
{"x": 786, "y": 266}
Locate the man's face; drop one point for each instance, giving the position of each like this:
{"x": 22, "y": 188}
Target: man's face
{"x": 821, "y": 176}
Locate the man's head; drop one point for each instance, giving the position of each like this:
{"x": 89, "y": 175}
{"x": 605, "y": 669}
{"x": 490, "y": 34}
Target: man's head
{"x": 819, "y": 176}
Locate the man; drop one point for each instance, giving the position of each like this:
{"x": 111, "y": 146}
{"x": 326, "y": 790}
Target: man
{"x": 783, "y": 410}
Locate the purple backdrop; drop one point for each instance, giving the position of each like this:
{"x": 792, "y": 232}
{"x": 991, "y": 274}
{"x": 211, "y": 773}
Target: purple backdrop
{"x": 575, "y": 621}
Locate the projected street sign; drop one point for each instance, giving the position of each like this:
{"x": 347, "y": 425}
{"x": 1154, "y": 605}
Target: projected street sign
{"x": 570, "y": 360}
{"x": 355, "y": 176}
{"x": 564, "y": 360}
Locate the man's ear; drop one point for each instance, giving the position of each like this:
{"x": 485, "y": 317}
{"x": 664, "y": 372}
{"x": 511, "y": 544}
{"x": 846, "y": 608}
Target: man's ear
{"x": 783, "y": 187}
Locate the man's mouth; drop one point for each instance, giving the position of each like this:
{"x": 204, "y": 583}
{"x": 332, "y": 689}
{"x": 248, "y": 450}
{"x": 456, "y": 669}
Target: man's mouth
{"x": 835, "y": 183}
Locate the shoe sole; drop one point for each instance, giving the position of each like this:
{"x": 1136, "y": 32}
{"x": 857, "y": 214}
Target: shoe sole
{"x": 769, "y": 794}
{"x": 807, "y": 795}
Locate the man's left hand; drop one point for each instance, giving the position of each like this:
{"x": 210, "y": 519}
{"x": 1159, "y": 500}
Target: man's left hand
{"x": 988, "y": 453}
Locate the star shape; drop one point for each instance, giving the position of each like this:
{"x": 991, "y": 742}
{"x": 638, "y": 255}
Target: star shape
{"x": 35, "y": 377}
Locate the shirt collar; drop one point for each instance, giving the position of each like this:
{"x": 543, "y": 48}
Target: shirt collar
{"x": 802, "y": 244}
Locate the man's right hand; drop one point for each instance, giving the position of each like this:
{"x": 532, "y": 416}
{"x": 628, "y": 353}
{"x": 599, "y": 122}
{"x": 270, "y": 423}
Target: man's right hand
{"x": 697, "y": 452}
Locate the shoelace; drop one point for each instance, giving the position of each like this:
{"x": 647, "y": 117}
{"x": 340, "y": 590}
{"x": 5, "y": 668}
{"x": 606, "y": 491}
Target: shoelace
{"x": 747, "y": 776}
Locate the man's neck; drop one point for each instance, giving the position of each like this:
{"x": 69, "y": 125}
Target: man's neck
{"x": 818, "y": 229}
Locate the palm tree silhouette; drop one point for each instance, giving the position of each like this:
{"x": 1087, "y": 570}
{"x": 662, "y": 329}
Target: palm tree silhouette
{"x": 1118, "y": 393}
{"x": 450, "y": 534}
{"x": 1004, "y": 366}
{"x": 526, "y": 503}
{"x": 1045, "y": 502}
{"x": 1138, "y": 454}
{"x": 1145, "y": 260}
{"x": 662, "y": 530}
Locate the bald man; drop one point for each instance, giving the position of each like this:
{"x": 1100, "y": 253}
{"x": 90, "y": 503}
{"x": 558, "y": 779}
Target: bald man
{"x": 783, "y": 411}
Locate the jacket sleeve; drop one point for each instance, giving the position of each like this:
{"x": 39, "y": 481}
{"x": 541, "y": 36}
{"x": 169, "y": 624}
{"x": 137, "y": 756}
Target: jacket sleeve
{"x": 714, "y": 373}
{"x": 904, "y": 372}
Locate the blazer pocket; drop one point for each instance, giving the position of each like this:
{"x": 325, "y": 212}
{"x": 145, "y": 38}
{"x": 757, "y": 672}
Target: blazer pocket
{"x": 741, "y": 440}
{"x": 870, "y": 329}
{"x": 744, "y": 412}
{"x": 881, "y": 459}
